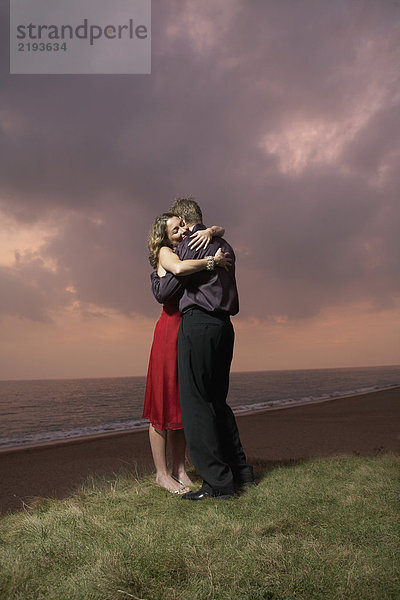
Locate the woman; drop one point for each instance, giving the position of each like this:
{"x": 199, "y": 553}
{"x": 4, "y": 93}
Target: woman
{"x": 161, "y": 405}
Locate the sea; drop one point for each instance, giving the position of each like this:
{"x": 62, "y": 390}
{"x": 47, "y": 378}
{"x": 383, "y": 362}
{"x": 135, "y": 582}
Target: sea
{"x": 34, "y": 412}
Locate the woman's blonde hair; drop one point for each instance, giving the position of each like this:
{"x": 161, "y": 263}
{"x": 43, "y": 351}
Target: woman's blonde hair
{"x": 158, "y": 237}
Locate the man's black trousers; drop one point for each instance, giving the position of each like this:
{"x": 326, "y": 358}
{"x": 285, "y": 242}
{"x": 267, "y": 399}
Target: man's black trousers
{"x": 205, "y": 348}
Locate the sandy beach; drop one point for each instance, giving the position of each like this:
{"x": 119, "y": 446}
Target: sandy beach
{"x": 364, "y": 424}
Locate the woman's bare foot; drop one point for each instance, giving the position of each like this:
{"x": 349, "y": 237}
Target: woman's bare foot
{"x": 183, "y": 478}
{"x": 168, "y": 483}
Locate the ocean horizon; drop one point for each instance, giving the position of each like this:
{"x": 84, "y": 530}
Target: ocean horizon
{"x": 38, "y": 411}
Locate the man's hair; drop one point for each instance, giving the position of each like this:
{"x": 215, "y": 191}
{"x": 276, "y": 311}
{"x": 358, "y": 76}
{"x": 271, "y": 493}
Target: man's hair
{"x": 188, "y": 209}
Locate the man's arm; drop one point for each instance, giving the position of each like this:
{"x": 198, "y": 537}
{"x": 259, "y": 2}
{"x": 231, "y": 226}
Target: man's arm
{"x": 164, "y": 288}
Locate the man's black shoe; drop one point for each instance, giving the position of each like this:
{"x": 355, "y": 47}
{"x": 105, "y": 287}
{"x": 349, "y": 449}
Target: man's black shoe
{"x": 239, "y": 485}
{"x": 243, "y": 477}
{"x": 202, "y": 494}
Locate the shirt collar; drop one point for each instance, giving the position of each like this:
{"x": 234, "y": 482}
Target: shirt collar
{"x": 198, "y": 226}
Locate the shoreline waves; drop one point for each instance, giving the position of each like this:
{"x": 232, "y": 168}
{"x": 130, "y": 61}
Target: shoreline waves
{"x": 38, "y": 439}
{"x": 364, "y": 423}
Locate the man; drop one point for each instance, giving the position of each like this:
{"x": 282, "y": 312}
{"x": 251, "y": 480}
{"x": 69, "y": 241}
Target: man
{"x": 205, "y": 349}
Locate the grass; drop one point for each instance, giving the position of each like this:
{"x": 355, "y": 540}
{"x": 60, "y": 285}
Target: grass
{"x": 318, "y": 529}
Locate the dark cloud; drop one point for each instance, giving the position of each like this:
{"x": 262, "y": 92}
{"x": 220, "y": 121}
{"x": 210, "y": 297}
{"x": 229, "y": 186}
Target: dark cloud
{"x": 31, "y": 290}
{"x": 103, "y": 258}
{"x": 282, "y": 118}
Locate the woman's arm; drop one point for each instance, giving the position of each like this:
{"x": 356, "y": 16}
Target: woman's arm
{"x": 202, "y": 237}
{"x": 171, "y": 263}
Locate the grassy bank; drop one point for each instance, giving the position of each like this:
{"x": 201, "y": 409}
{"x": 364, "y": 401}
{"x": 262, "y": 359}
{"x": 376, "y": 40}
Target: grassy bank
{"x": 323, "y": 529}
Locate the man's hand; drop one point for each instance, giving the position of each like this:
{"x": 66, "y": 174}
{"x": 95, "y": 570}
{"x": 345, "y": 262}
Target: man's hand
{"x": 222, "y": 259}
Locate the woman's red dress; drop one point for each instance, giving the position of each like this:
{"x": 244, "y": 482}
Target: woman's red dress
{"x": 161, "y": 402}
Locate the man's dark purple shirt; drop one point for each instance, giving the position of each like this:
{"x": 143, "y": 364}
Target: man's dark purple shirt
{"x": 213, "y": 291}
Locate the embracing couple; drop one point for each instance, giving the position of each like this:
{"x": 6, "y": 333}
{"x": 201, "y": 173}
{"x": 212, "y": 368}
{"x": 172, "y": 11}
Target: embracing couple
{"x": 188, "y": 375}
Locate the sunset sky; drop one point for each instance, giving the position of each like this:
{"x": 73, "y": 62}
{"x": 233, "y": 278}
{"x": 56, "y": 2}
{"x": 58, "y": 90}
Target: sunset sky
{"x": 281, "y": 118}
